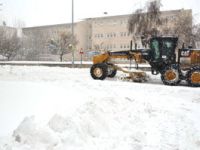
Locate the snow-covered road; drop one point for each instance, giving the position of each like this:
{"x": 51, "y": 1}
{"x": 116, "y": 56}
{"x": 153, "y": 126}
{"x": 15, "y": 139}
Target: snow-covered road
{"x": 61, "y": 108}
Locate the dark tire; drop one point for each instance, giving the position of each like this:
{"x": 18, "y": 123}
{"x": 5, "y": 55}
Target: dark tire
{"x": 112, "y": 75}
{"x": 193, "y": 76}
{"x": 171, "y": 75}
{"x": 111, "y": 71}
{"x": 99, "y": 71}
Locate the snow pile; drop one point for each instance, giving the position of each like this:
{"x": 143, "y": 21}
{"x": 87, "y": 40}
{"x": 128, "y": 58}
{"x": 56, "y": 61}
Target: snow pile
{"x": 115, "y": 124}
{"x": 106, "y": 115}
{"x": 36, "y": 137}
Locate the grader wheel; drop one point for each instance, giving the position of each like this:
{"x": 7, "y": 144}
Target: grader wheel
{"x": 99, "y": 71}
{"x": 193, "y": 76}
{"x": 170, "y": 75}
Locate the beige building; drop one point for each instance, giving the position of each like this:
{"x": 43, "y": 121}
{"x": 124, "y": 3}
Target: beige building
{"x": 95, "y": 34}
{"x": 110, "y": 33}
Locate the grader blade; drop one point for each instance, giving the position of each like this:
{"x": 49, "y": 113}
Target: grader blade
{"x": 135, "y": 76}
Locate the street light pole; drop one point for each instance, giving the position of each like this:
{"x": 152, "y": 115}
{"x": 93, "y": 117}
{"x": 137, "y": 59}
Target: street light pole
{"x": 1, "y": 4}
{"x": 72, "y": 33}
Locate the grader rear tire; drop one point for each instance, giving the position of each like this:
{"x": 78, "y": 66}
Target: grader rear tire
{"x": 193, "y": 76}
{"x": 99, "y": 71}
{"x": 170, "y": 75}
{"x": 111, "y": 71}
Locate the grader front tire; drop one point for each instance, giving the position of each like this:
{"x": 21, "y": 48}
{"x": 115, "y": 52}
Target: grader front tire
{"x": 99, "y": 71}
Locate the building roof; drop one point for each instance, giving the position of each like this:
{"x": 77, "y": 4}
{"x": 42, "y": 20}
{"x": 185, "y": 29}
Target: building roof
{"x": 98, "y": 18}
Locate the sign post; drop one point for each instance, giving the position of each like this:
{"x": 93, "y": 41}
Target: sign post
{"x": 81, "y": 53}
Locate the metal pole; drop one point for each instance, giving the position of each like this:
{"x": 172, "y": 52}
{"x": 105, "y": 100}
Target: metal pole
{"x": 1, "y": 4}
{"x": 81, "y": 59}
{"x": 72, "y": 33}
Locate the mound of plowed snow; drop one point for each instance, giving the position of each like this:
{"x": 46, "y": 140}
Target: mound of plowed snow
{"x": 107, "y": 115}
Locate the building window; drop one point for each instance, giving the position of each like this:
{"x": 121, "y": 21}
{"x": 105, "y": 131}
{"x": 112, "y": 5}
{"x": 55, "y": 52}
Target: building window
{"x": 114, "y": 22}
{"x": 101, "y": 23}
{"x": 107, "y": 47}
{"x": 123, "y": 34}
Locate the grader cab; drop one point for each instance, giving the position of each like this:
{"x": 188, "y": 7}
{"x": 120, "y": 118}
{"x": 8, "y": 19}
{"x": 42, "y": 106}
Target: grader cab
{"x": 162, "y": 58}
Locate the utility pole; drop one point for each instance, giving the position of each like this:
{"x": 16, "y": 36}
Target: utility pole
{"x": 73, "y": 34}
{"x": 1, "y": 4}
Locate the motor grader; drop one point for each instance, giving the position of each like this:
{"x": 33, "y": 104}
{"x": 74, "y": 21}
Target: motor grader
{"x": 162, "y": 57}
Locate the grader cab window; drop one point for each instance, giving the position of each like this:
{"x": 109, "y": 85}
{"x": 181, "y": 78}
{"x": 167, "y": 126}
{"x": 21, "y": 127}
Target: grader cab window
{"x": 167, "y": 48}
{"x": 155, "y": 49}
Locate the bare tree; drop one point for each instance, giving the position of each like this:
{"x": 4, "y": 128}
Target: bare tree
{"x": 60, "y": 42}
{"x": 29, "y": 51}
{"x": 183, "y": 27}
{"x": 146, "y": 22}
{"x": 34, "y": 45}
{"x": 195, "y": 40}
{"x": 10, "y": 43}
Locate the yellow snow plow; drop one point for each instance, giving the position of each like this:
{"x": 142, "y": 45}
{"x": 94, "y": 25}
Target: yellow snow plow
{"x": 162, "y": 58}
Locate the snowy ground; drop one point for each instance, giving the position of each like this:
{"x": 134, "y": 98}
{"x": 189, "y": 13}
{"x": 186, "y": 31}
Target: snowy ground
{"x": 45, "y": 108}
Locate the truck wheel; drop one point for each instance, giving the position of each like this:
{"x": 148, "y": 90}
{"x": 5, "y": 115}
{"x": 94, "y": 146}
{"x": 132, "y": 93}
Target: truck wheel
{"x": 193, "y": 76}
{"x": 99, "y": 71}
{"x": 111, "y": 71}
{"x": 170, "y": 75}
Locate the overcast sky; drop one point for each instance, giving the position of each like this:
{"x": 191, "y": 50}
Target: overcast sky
{"x": 45, "y": 12}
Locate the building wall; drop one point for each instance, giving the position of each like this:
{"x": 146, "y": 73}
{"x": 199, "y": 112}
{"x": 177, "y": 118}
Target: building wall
{"x": 110, "y": 33}
{"x": 103, "y": 33}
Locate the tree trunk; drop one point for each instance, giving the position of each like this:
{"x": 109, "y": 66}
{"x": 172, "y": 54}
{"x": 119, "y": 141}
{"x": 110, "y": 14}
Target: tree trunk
{"x": 61, "y": 57}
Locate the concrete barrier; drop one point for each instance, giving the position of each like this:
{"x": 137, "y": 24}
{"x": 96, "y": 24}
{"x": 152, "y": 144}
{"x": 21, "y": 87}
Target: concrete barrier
{"x": 49, "y": 64}
{"x": 144, "y": 67}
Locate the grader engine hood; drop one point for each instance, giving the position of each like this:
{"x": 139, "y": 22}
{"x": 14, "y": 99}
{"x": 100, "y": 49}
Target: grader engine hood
{"x": 137, "y": 55}
{"x": 189, "y": 56}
